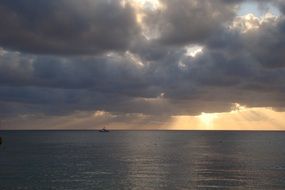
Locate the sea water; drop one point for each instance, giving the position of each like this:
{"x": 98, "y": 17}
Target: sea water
{"x": 86, "y": 160}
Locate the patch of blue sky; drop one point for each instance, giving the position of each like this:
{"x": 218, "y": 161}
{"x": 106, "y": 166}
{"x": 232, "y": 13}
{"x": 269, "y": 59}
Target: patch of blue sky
{"x": 258, "y": 9}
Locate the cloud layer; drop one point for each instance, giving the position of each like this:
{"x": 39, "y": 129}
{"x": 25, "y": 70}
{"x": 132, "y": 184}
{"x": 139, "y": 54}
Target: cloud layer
{"x": 66, "y": 27}
{"x": 128, "y": 57}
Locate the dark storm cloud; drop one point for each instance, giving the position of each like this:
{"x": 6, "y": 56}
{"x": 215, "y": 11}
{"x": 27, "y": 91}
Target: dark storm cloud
{"x": 66, "y": 26}
{"x": 267, "y": 44}
{"x": 111, "y": 74}
{"x": 131, "y": 74}
{"x": 185, "y": 21}
{"x": 88, "y": 27}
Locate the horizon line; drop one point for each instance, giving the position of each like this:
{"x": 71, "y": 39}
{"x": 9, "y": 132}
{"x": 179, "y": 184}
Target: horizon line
{"x": 150, "y": 130}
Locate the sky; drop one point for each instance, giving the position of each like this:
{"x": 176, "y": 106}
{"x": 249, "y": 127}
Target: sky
{"x": 142, "y": 64}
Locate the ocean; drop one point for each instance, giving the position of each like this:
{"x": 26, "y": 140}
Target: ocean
{"x": 150, "y": 160}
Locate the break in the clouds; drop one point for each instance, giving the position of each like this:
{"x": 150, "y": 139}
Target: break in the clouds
{"x": 140, "y": 59}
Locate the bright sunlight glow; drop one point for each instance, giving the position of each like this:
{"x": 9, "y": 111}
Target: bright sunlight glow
{"x": 207, "y": 119}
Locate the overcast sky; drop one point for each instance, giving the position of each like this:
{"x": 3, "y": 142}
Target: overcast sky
{"x": 142, "y": 64}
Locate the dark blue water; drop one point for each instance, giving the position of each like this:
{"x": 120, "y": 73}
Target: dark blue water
{"x": 88, "y": 160}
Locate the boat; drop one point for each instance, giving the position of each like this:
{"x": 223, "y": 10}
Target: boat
{"x": 104, "y": 130}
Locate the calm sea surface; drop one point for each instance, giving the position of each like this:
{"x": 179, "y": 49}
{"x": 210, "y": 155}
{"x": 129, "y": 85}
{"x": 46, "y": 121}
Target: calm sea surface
{"x": 87, "y": 160}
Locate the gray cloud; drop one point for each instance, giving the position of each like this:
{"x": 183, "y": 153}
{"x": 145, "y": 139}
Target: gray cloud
{"x": 183, "y": 21}
{"x": 66, "y": 27}
{"x": 129, "y": 74}
{"x": 266, "y": 44}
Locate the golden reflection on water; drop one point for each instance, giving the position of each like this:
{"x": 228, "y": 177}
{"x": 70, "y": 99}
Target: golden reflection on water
{"x": 204, "y": 160}
{"x": 142, "y": 160}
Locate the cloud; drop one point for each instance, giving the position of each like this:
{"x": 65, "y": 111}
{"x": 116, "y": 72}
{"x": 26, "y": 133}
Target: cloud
{"x": 183, "y": 21}
{"x": 115, "y": 71}
{"x": 66, "y": 27}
